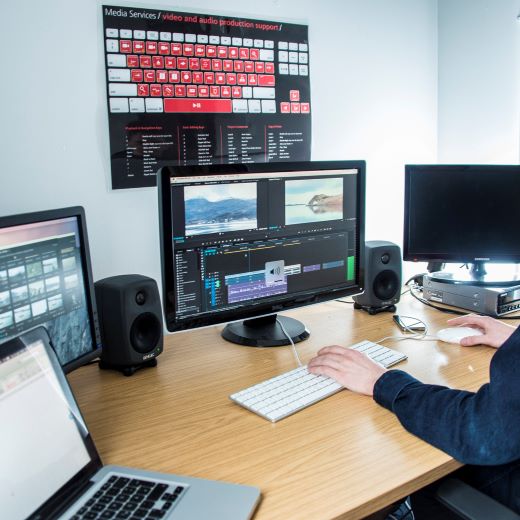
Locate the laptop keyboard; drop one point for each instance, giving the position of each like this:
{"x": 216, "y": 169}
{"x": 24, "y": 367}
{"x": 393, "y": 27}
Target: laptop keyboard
{"x": 130, "y": 498}
{"x": 151, "y": 71}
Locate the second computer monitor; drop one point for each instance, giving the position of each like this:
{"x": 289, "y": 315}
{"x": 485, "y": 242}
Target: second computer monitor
{"x": 247, "y": 241}
{"x": 46, "y": 279}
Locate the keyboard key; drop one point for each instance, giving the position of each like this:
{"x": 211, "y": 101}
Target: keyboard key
{"x": 112, "y": 33}
{"x": 116, "y": 60}
{"x": 154, "y": 105}
{"x": 254, "y": 106}
{"x": 199, "y": 105}
{"x": 266, "y": 55}
{"x": 118, "y": 75}
{"x": 240, "y": 106}
{"x": 112, "y": 45}
{"x": 122, "y": 89}
{"x": 268, "y": 106}
{"x": 263, "y": 92}
{"x": 266, "y": 80}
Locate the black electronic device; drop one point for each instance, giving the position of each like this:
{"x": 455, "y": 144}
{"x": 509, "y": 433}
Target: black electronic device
{"x": 482, "y": 299}
{"x": 130, "y": 317}
{"x": 464, "y": 214}
{"x": 408, "y": 323}
{"x": 382, "y": 277}
{"x": 46, "y": 279}
{"x": 246, "y": 241}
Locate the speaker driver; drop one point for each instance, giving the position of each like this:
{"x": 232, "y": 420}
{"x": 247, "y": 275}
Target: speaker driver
{"x": 386, "y": 284}
{"x": 145, "y": 332}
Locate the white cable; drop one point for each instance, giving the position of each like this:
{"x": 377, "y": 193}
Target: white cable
{"x": 300, "y": 364}
{"x": 419, "y": 336}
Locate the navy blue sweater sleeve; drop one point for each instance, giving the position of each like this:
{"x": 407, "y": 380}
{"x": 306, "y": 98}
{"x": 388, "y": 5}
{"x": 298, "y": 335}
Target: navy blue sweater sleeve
{"x": 480, "y": 428}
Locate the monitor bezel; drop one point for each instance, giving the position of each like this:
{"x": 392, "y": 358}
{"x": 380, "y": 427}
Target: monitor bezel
{"x": 166, "y": 232}
{"x": 77, "y": 212}
{"x": 418, "y": 169}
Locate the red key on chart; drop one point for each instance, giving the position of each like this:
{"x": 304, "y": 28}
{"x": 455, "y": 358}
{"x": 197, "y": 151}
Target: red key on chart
{"x": 266, "y": 80}
{"x": 198, "y": 105}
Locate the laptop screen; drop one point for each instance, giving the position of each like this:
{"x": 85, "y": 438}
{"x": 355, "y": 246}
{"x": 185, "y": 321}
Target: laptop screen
{"x": 43, "y": 437}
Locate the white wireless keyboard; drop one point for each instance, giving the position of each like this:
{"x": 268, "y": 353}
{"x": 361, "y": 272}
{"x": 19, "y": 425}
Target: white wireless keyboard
{"x": 283, "y": 395}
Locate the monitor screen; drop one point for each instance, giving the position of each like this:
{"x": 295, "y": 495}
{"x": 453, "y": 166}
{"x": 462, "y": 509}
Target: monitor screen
{"x": 45, "y": 279}
{"x": 461, "y": 213}
{"x": 240, "y": 241}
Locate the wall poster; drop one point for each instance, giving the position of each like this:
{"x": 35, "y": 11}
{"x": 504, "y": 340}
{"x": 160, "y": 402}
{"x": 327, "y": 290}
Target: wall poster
{"x": 201, "y": 89}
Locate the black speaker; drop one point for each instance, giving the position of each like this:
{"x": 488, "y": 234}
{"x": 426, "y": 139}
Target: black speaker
{"x": 382, "y": 277}
{"x": 130, "y": 317}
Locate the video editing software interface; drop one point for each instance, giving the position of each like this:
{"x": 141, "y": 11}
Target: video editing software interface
{"x": 246, "y": 239}
{"x": 42, "y": 283}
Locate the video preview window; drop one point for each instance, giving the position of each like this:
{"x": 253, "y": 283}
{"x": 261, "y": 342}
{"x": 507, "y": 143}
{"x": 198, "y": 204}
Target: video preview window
{"x": 313, "y": 200}
{"x": 219, "y": 208}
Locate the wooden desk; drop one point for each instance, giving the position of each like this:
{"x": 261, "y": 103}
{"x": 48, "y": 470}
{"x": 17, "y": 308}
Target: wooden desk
{"x": 344, "y": 457}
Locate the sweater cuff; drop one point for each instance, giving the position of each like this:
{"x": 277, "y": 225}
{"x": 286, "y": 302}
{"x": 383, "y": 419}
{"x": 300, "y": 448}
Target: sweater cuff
{"x": 389, "y": 386}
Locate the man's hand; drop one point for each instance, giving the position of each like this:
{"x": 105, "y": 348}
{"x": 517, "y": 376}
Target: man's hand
{"x": 495, "y": 333}
{"x": 350, "y": 368}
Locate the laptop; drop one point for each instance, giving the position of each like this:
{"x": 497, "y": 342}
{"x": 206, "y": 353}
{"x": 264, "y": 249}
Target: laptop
{"x": 50, "y": 466}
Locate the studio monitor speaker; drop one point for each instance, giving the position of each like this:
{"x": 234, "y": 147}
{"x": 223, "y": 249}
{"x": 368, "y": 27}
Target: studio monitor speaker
{"x": 382, "y": 277}
{"x": 130, "y": 318}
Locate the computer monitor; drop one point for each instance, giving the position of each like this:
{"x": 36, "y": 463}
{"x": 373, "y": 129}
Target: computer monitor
{"x": 46, "y": 279}
{"x": 466, "y": 214}
{"x": 244, "y": 242}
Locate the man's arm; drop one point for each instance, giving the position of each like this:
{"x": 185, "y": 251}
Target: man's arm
{"x": 475, "y": 428}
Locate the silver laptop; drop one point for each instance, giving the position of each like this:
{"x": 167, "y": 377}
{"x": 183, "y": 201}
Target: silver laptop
{"x": 51, "y": 469}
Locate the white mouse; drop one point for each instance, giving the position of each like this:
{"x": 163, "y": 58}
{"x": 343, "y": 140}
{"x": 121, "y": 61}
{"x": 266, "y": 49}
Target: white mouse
{"x": 455, "y": 334}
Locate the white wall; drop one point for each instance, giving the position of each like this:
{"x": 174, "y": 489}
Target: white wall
{"x": 479, "y": 81}
{"x": 374, "y": 94}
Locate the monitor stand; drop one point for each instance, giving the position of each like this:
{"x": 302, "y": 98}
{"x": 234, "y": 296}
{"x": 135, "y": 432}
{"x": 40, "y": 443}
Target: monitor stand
{"x": 265, "y": 331}
{"x": 480, "y": 273}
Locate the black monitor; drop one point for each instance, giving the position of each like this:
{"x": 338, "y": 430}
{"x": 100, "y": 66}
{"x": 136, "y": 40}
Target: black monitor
{"x": 46, "y": 279}
{"x": 466, "y": 214}
{"x": 246, "y": 241}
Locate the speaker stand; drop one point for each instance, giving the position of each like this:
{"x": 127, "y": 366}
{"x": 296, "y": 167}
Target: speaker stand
{"x": 127, "y": 370}
{"x": 375, "y": 310}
